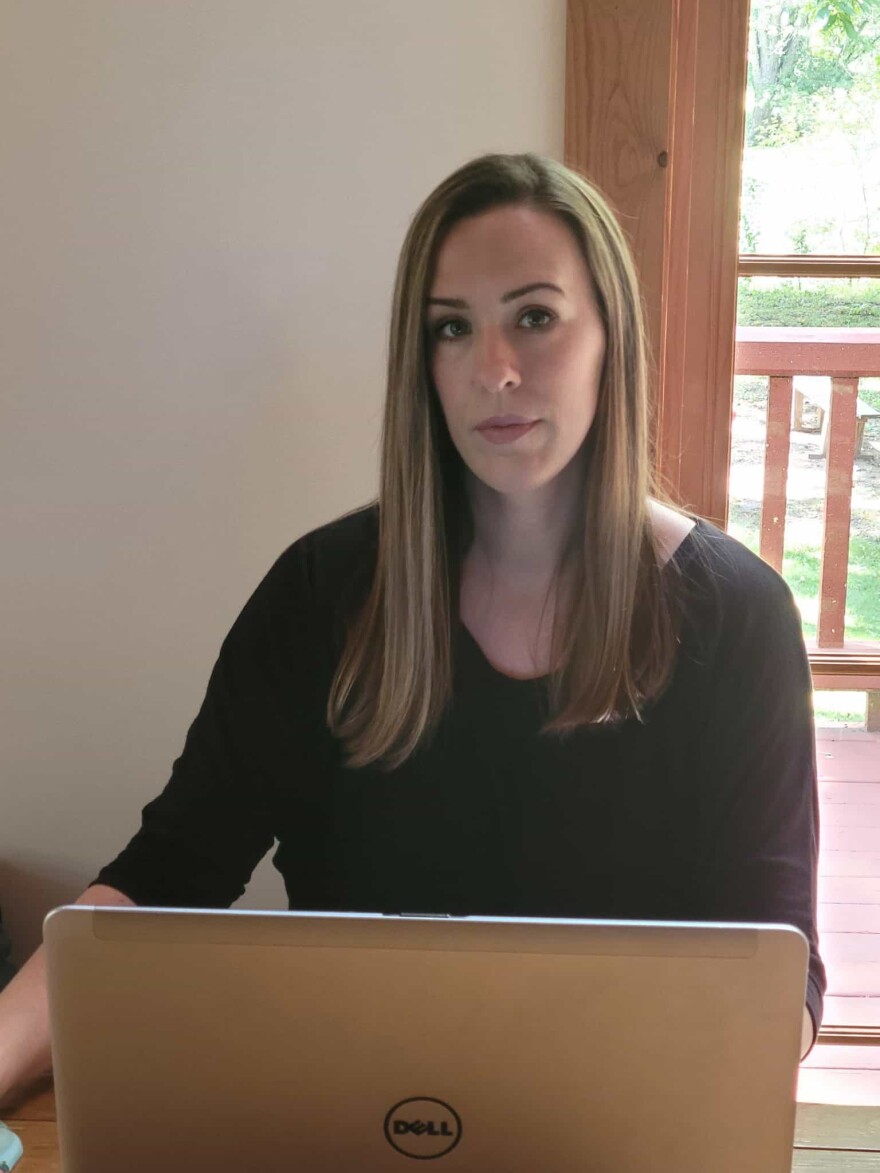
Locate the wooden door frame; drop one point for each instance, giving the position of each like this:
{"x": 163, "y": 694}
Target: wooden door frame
{"x": 655, "y": 116}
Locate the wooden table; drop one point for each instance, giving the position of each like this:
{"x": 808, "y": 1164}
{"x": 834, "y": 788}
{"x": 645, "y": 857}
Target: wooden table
{"x": 829, "y": 1139}
{"x": 816, "y": 389}
{"x": 34, "y": 1121}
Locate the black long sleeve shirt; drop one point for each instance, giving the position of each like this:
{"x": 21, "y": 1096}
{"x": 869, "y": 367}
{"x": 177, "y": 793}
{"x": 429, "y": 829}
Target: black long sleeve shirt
{"x": 705, "y": 810}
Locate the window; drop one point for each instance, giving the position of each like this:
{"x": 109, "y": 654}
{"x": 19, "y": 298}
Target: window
{"x": 804, "y": 486}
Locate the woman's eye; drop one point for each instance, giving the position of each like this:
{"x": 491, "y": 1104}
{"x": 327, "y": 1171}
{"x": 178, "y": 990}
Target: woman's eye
{"x": 451, "y": 328}
{"x": 545, "y": 314}
{"x": 440, "y": 328}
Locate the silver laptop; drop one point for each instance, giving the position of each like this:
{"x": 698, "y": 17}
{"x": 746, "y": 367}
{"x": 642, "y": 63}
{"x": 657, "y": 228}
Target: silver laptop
{"x": 199, "y": 1040}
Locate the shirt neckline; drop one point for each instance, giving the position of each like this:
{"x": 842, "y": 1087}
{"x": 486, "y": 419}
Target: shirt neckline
{"x": 679, "y": 556}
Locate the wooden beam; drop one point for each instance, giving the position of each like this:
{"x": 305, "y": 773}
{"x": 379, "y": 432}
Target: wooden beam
{"x": 837, "y": 513}
{"x": 803, "y": 350}
{"x": 755, "y": 265}
{"x": 776, "y": 451}
{"x": 855, "y": 666}
{"x": 616, "y": 122}
{"x": 655, "y": 115}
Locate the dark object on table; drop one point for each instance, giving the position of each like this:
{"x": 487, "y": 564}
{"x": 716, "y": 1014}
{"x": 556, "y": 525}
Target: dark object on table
{"x": 7, "y": 969}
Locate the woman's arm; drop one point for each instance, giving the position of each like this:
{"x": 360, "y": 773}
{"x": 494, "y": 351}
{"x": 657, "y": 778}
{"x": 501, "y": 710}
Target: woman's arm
{"x": 807, "y": 1033}
{"x": 25, "y": 1050}
{"x": 202, "y": 836}
{"x": 755, "y": 763}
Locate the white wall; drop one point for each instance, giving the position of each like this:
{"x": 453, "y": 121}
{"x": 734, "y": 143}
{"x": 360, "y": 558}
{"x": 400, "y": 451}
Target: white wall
{"x": 203, "y": 204}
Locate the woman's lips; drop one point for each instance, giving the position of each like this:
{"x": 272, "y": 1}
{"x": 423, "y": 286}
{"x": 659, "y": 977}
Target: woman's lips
{"x": 507, "y": 433}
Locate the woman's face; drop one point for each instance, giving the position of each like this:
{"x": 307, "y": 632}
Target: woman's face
{"x": 500, "y": 346}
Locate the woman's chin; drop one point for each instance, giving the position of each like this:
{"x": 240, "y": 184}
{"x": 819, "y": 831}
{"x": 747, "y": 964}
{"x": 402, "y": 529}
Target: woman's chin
{"x": 511, "y": 481}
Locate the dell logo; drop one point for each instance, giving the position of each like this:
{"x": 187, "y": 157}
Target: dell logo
{"x": 423, "y": 1127}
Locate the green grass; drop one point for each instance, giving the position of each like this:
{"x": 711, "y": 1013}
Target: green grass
{"x": 826, "y": 303}
{"x": 839, "y": 708}
{"x": 835, "y": 303}
{"x": 800, "y": 569}
{"x": 819, "y": 303}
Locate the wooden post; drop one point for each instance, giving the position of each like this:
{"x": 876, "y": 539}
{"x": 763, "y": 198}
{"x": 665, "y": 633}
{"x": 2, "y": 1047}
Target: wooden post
{"x": 654, "y": 115}
{"x": 776, "y": 452}
{"x": 841, "y": 424}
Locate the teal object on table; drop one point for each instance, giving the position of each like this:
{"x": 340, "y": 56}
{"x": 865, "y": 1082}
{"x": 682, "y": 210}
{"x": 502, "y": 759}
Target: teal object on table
{"x": 10, "y": 1149}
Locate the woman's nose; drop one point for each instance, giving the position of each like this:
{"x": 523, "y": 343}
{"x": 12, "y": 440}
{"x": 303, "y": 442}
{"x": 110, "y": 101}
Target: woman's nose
{"x": 496, "y": 361}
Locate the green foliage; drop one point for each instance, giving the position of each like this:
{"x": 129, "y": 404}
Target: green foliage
{"x": 855, "y": 304}
{"x": 844, "y": 22}
{"x": 799, "y": 51}
{"x": 748, "y": 237}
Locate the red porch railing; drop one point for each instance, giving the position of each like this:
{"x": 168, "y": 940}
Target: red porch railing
{"x": 783, "y": 353}
{"x": 846, "y": 1065}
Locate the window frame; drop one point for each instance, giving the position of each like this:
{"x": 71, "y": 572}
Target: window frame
{"x": 655, "y": 114}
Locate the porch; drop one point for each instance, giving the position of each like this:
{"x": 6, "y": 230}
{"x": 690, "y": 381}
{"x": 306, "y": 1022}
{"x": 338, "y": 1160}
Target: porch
{"x": 838, "y": 1072}
{"x": 789, "y": 469}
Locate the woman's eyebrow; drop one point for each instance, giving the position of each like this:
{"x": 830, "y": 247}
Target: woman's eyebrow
{"x": 460, "y": 304}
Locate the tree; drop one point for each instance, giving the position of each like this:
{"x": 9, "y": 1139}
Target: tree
{"x": 798, "y": 48}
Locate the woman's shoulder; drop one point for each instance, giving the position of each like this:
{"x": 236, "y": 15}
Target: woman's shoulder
{"x": 313, "y": 583}
{"x": 730, "y": 587}
{"x": 318, "y": 573}
{"x": 703, "y": 553}
{"x": 331, "y": 554}
{"x": 727, "y": 558}
{"x": 670, "y": 527}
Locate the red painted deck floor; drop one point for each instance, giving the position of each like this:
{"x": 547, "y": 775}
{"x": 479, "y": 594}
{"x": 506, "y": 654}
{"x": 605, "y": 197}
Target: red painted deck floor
{"x": 849, "y": 915}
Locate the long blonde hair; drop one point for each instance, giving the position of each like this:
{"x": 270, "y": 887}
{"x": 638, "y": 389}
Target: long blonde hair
{"x": 615, "y": 641}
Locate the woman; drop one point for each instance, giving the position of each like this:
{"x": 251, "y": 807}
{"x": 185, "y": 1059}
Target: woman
{"x": 519, "y": 683}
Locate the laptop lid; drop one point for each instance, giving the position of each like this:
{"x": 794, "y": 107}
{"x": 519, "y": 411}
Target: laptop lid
{"x": 204, "y": 1040}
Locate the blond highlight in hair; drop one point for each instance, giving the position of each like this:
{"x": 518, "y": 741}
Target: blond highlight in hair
{"x": 614, "y": 643}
